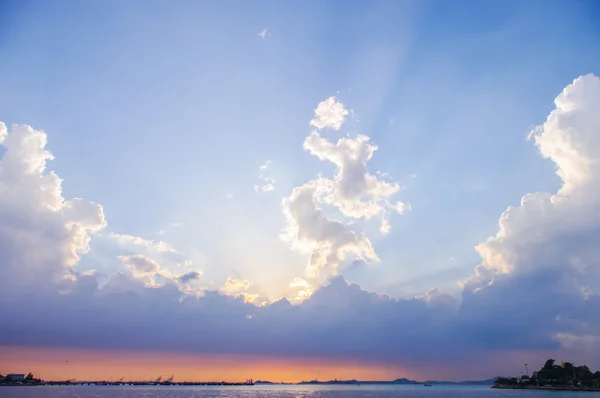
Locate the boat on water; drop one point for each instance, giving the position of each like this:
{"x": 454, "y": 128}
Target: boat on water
{"x": 427, "y": 385}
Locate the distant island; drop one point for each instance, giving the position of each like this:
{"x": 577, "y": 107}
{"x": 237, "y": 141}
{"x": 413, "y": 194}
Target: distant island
{"x": 565, "y": 376}
{"x": 29, "y": 380}
{"x": 15, "y": 379}
{"x": 398, "y": 381}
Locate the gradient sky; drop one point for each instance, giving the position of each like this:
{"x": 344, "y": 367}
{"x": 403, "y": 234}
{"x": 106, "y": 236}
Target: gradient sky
{"x": 313, "y": 184}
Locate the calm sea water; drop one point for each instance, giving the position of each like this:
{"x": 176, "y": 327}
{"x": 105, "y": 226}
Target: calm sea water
{"x": 280, "y": 392}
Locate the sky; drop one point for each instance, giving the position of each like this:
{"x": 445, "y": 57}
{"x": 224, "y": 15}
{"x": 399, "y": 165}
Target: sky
{"x": 319, "y": 189}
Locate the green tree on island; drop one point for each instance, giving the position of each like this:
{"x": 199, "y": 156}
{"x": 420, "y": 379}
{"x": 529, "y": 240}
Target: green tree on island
{"x": 551, "y": 374}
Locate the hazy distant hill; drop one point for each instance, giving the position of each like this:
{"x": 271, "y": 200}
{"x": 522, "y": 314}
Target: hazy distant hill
{"x": 397, "y": 381}
{"x": 480, "y": 382}
{"x": 468, "y": 382}
{"x": 403, "y": 381}
{"x": 269, "y": 382}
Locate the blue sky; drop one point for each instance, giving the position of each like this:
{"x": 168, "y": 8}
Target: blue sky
{"x": 157, "y": 111}
{"x": 163, "y": 114}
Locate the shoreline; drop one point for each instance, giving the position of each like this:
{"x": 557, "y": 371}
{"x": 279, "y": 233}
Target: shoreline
{"x": 549, "y": 388}
{"x": 122, "y": 384}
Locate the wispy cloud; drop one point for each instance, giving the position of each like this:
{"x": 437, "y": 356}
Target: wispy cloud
{"x": 268, "y": 187}
{"x": 158, "y": 246}
{"x": 385, "y": 226}
{"x": 267, "y": 183}
{"x": 263, "y": 34}
{"x": 265, "y": 166}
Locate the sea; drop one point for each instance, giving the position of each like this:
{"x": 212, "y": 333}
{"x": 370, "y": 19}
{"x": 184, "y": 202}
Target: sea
{"x": 281, "y": 391}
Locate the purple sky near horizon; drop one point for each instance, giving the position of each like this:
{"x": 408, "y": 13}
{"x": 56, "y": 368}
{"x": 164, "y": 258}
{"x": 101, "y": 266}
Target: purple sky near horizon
{"x": 400, "y": 185}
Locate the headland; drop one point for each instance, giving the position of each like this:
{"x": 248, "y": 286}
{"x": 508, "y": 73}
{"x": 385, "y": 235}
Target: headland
{"x": 553, "y": 377}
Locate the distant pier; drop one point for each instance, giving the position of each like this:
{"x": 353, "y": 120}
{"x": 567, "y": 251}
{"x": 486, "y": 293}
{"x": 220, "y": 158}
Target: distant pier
{"x": 146, "y": 383}
{"x": 158, "y": 382}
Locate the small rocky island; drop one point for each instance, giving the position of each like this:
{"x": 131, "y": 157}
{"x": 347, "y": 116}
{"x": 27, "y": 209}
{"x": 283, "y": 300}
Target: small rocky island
{"x": 551, "y": 376}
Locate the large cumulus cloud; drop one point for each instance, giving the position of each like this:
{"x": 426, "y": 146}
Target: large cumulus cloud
{"x": 537, "y": 287}
{"x": 542, "y": 268}
{"x": 42, "y": 235}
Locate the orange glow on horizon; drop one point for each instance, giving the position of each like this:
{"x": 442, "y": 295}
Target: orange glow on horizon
{"x": 85, "y": 364}
{"x": 51, "y": 363}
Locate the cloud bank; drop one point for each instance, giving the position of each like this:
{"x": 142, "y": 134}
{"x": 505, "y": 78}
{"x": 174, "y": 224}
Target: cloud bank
{"x": 536, "y": 289}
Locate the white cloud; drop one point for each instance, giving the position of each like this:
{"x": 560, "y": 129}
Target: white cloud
{"x": 399, "y": 207}
{"x": 3, "y": 132}
{"x": 263, "y": 34}
{"x": 587, "y": 342}
{"x": 385, "y": 226}
{"x": 157, "y": 246}
{"x": 553, "y": 238}
{"x": 150, "y": 247}
{"x": 570, "y": 137}
{"x": 150, "y": 273}
{"x": 302, "y": 289}
{"x": 328, "y": 241}
{"x": 42, "y": 235}
{"x": 265, "y": 165}
{"x": 353, "y": 190}
{"x": 140, "y": 265}
{"x": 268, "y": 188}
{"x": 270, "y": 182}
{"x": 239, "y": 288}
{"x": 329, "y": 114}
{"x": 299, "y": 282}
{"x": 233, "y": 285}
